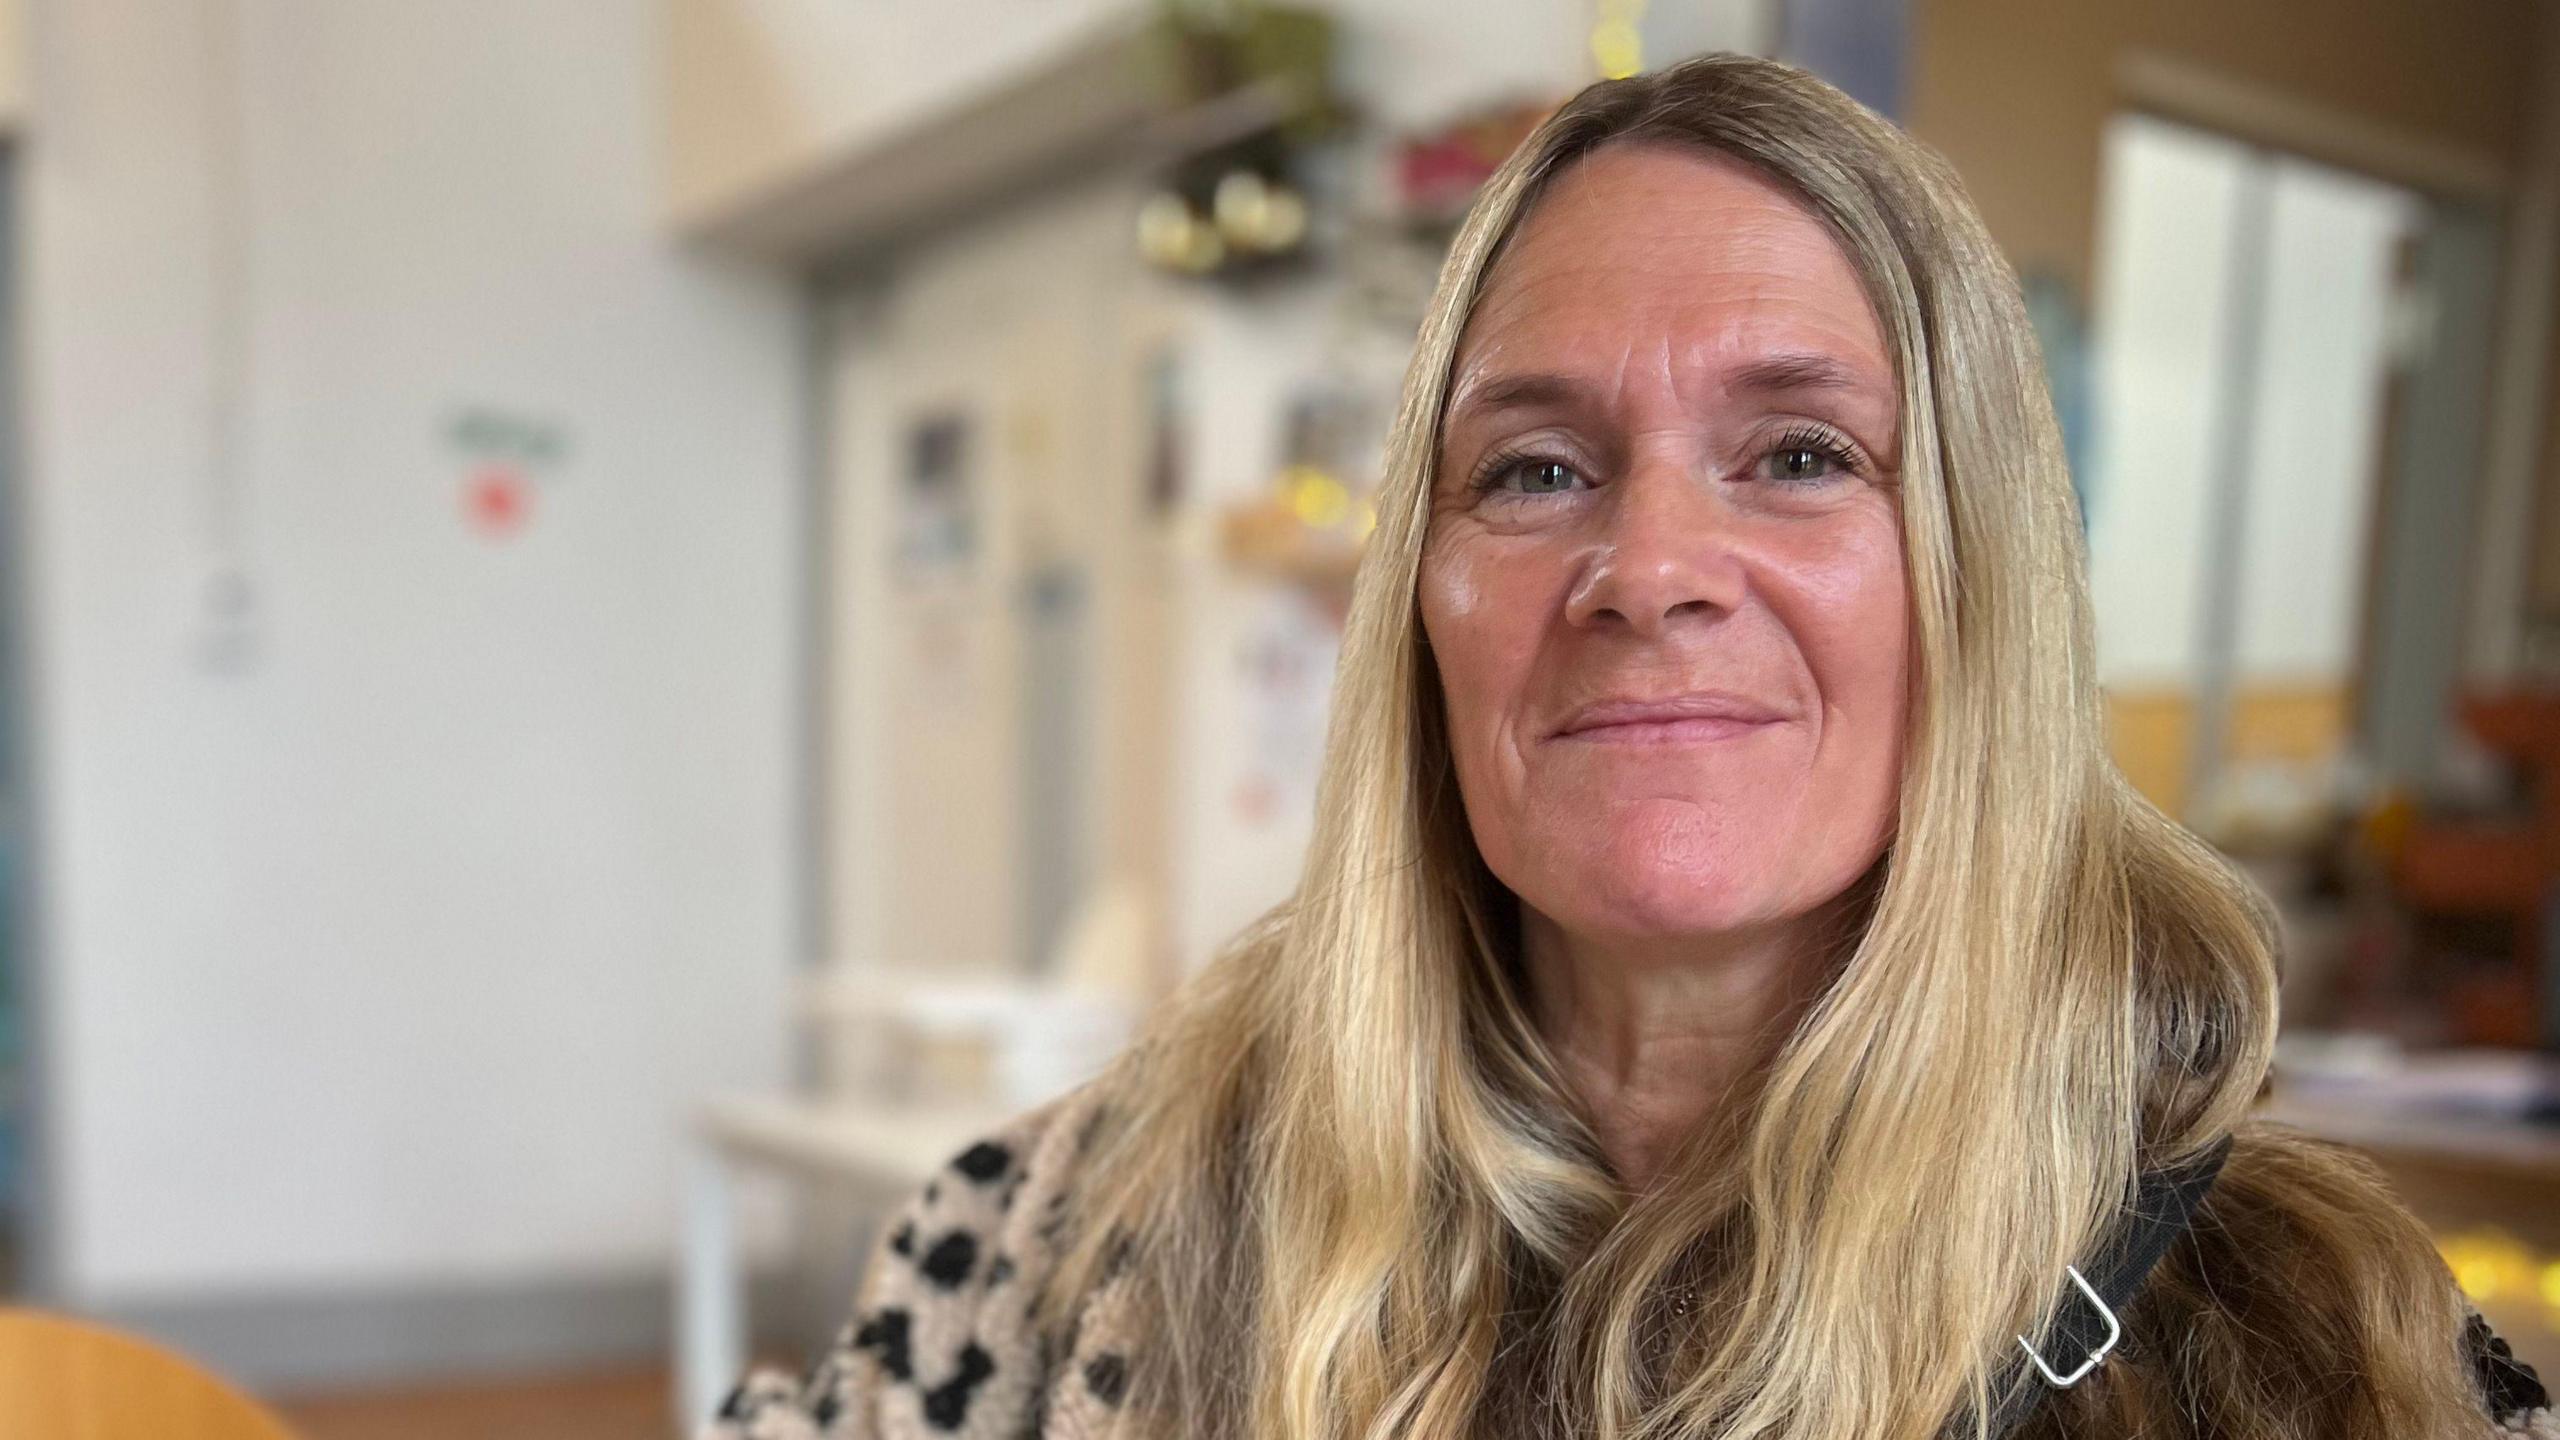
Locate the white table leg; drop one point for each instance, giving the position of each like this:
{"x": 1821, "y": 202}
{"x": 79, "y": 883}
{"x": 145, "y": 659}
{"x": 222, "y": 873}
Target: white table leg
{"x": 711, "y": 1340}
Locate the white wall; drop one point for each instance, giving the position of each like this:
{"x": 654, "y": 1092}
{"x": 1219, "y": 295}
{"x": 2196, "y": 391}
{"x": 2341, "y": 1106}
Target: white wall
{"x": 396, "y": 955}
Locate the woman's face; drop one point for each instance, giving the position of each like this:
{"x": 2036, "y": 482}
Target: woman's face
{"x": 1663, "y": 579}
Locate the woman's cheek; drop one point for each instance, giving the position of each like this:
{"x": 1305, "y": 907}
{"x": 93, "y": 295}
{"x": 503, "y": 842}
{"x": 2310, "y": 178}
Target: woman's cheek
{"x": 1845, "y": 585}
{"x": 1863, "y": 666}
{"x": 1486, "y": 602}
{"x": 1452, "y": 599}
{"x": 1450, "y": 590}
{"x": 1484, "y": 599}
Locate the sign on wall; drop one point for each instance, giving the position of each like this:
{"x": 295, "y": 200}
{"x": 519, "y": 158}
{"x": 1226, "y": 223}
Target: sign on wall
{"x": 506, "y": 458}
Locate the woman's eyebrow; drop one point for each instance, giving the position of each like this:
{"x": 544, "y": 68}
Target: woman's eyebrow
{"x": 1505, "y": 392}
{"x": 1801, "y": 371}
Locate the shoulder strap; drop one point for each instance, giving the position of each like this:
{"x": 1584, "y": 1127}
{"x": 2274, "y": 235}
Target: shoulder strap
{"x": 2083, "y": 1333}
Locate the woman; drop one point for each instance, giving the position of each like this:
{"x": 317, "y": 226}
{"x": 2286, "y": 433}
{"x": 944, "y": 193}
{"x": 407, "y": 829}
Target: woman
{"x": 1730, "y": 993}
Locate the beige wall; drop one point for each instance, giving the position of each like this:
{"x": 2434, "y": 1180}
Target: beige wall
{"x": 2017, "y": 92}
{"x": 13, "y": 65}
{"x": 2152, "y": 733}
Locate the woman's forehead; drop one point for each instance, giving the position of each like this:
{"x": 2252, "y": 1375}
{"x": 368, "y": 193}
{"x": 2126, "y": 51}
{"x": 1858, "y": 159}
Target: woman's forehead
{"x": 1685, "y": 261}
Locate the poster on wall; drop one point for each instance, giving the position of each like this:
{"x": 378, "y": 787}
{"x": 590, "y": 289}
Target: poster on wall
{"x": 506, "y": 458}
{"x": 1285, "y": 664}
{"x": 937, "y": 506}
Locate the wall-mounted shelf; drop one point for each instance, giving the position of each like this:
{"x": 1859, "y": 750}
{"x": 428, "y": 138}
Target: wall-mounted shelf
{"x": 1097, "y": 100}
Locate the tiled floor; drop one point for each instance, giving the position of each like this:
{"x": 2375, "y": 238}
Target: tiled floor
{"x": 619, "y": 1406}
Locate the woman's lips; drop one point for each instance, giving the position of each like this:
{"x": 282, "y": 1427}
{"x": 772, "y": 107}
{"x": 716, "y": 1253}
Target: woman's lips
{"x": 1666, "y": 732}
{"x": 1672, "y": 720}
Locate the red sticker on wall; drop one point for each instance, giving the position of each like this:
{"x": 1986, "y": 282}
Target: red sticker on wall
{"x": 496, "y": 500}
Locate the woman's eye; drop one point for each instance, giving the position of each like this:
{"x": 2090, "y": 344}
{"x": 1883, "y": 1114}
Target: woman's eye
{"x": 1532, "y": 477}
{"x": 1798, "y": 464}
{"x": 1541, "y": 476}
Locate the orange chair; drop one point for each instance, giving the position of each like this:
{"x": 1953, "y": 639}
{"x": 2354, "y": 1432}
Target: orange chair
{"x": 2495, "y": 868}
{"x": 64, "y": 1380}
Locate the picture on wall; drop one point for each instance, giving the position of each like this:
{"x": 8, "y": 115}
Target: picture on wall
{"x": 937, "y": 503}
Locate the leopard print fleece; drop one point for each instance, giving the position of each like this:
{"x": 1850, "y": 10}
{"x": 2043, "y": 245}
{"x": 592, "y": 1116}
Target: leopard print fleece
{"x": 939, "y": 1346}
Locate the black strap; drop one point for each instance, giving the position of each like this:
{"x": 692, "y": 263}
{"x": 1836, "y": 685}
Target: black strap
{"x": 2164, "y": 1205}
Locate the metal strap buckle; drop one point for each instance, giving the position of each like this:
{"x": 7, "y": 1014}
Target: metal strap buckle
{"x": 2115, "y": 1332}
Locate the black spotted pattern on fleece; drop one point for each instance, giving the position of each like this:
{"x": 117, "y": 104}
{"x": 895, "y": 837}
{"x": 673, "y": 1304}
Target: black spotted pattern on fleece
{"x": 940, "y": 1346}
{"x": 2509, "y": 1389}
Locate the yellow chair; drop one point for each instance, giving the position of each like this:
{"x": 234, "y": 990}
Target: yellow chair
{"x": 65, "y": 1380}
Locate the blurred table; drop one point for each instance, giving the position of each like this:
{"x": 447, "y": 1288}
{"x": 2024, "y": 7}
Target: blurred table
{"x": 2486, "y": 1141}
{"x": 835, "y": 1140}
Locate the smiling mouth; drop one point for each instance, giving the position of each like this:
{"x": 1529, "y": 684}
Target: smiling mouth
{"x": 1679, "y": 719}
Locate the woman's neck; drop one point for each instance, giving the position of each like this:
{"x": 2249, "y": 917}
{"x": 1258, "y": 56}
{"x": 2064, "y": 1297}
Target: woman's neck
{"x": 1654, "y": 1035}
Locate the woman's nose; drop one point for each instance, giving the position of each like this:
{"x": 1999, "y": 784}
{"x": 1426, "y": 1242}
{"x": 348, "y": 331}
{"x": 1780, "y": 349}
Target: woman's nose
{"x": 1667, "y": 552}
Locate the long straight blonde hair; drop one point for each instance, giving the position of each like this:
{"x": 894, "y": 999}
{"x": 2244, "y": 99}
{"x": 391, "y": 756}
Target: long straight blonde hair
{"x": 1355, "y": 1197}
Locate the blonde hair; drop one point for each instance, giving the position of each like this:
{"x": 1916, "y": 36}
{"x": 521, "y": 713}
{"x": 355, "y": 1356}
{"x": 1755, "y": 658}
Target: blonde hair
{"x": 1343, "y": 1174}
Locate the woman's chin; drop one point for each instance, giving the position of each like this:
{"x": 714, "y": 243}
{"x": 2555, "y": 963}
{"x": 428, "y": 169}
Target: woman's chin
{"x": 1665, "y": 903}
